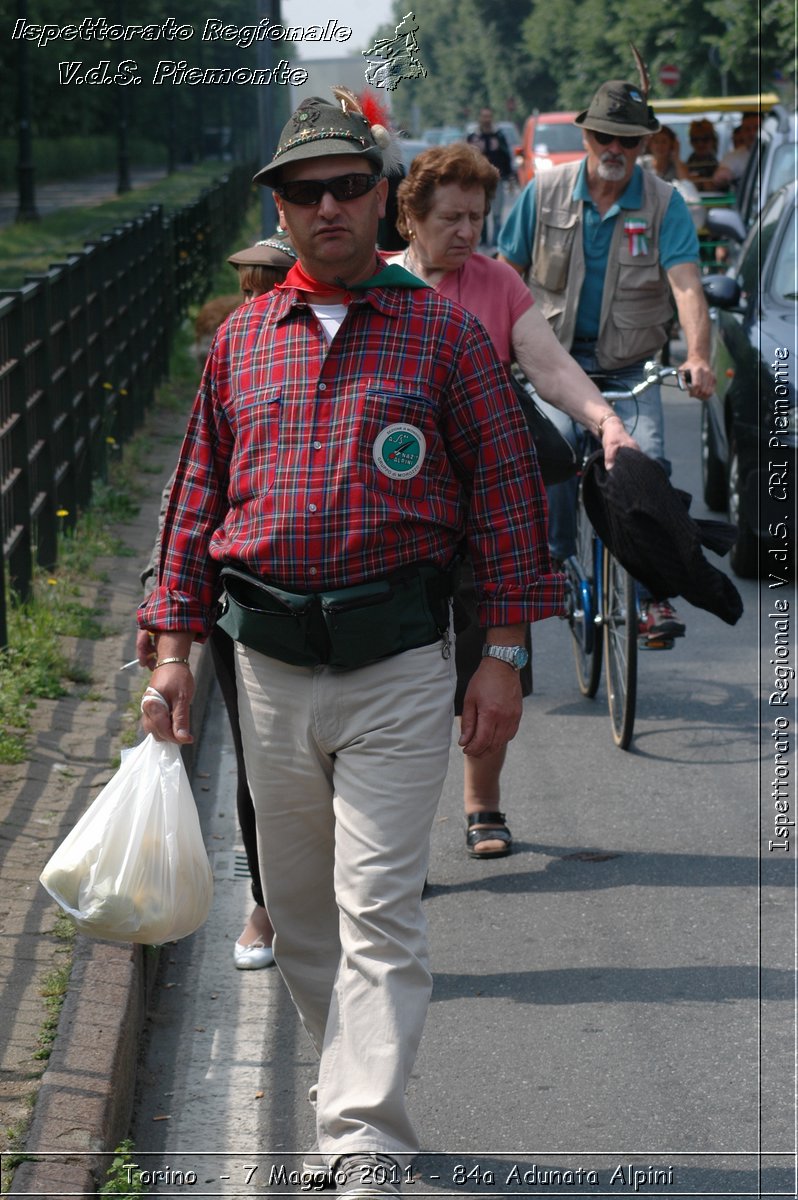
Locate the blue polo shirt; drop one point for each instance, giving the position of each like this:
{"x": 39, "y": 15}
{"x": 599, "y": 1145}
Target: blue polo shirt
{"x": 678, "y": 241}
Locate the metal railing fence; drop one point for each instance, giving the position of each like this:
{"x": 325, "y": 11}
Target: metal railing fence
{"x": 82, "y": 349}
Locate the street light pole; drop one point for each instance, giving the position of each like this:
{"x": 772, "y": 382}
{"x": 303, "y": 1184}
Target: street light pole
{"x": 123, "y": 183}
{"x": 268, "y": 116}
{"x": 26, "y": 210}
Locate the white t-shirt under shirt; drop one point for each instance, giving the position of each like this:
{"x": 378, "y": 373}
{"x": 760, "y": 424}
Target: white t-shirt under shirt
{"x": 330, "y": 318}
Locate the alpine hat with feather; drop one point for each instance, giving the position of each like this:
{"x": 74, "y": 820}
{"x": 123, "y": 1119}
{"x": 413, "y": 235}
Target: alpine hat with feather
{"x": 319, "y": 128}
{"x": 621, "y": 108}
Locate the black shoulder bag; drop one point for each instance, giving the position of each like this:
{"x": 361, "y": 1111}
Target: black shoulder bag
{"x": 556, "y": 456}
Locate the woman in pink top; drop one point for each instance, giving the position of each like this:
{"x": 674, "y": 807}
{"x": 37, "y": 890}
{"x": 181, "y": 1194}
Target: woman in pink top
{"x": 442, "y": 206}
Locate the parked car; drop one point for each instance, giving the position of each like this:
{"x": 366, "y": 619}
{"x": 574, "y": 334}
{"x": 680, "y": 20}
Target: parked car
{"x": 410, "y": 147}
{"x": 772, "y": 163}
{"x": 442, "y": 135}
{"x": 725, "y": 113}
{"x": 749, "y": 431}
{"x": 548, "y": 140}
{"x": 680, "y": 122}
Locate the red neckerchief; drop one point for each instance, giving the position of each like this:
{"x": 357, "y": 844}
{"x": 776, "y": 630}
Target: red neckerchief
{"x": 298, "y": 278}
{"x": 385, "y": 276}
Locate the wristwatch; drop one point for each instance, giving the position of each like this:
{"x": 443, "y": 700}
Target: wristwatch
{"x": 515, "y": 656}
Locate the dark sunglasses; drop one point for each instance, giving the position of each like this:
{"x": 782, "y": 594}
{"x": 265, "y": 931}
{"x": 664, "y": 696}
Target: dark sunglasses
{"x": 340, "y": 187}
{"x": 604, "y": 139}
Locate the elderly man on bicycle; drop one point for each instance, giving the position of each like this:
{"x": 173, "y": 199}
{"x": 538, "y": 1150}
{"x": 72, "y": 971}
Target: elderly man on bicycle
{"x": 608, "y": 248}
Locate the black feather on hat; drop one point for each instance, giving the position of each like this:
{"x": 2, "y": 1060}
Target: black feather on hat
{"x": 646, "y": 524}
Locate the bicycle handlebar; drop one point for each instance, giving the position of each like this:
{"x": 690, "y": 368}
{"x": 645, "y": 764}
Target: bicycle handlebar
{"x": 654, "y": 373}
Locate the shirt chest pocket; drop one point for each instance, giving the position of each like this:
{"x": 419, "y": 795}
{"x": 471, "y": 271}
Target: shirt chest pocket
{"x": 256, "y": 421}
{"x": 638, "y": 268}
{"x": 557, "y": 228}
{"x": 399, "y": 448}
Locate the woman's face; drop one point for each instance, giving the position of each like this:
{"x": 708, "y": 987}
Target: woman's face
{"x": 659, "y": 144}
{"x": 449, "y": 233}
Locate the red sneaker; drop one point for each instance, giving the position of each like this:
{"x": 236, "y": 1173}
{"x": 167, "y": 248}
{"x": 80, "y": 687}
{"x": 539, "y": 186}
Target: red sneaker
{"x": 658, "y": 623}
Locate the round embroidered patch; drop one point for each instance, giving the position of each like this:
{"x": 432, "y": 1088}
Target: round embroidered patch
{"x": 399, "y": 451}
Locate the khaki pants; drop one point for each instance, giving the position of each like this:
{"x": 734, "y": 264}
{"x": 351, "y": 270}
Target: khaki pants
{"x": 346, "y": 769}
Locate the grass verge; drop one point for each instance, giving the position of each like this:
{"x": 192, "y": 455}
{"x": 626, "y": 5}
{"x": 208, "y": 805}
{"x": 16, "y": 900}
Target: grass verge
{"x": 34, "y": 666}
{"x": 30, "y": 247}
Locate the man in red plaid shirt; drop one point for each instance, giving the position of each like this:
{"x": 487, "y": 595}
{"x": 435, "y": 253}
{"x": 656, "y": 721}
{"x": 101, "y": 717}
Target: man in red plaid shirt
{"x": 352, "y": 431}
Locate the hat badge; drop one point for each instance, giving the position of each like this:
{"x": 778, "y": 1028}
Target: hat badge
{"x": 303, "y": 118}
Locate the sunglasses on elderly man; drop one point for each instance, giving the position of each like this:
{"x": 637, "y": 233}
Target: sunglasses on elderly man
{"x": 604, "y": 139}
{"x": 340, "y": 187}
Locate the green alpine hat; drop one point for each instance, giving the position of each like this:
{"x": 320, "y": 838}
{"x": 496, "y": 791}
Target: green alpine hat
{"x": 319, "y": 128}
{"x": 620, "y": 108}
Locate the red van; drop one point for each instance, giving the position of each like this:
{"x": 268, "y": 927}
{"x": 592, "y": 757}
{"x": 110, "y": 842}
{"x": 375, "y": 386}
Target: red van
{"x": 549, "y": 139}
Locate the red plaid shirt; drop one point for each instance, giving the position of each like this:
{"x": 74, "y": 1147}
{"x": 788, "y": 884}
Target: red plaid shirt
{"x": 278, "y": 473}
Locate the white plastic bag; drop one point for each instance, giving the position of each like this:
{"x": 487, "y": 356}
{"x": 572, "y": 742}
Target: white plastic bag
{"x": 134, "y": 868}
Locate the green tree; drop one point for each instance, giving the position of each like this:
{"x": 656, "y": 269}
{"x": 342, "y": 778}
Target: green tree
{"x": 541, "y": 55}
{"x": 60, "y": 109}
{"x": 472, "y": 55}
{"x": 711, "y": 41}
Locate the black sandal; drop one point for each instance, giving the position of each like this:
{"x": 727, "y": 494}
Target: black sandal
{"x": 487, "y": 827}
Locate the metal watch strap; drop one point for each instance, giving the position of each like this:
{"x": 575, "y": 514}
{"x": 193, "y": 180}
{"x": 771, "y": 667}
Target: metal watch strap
{"x": 507, "y": 654}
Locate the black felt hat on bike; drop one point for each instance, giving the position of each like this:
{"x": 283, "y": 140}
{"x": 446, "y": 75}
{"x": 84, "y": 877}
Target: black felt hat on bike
{"x": 645, "y": 522}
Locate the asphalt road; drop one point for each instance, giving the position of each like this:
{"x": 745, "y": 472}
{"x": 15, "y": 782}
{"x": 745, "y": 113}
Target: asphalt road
{"x": 613, "y": 1004}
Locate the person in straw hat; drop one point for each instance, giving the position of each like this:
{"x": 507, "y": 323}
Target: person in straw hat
{"x": 608, "y": 249}
{"x": 353, "y": 428}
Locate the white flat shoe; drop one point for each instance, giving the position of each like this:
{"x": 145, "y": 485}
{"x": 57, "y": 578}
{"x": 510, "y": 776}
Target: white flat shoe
{"x": 252, "y": 957}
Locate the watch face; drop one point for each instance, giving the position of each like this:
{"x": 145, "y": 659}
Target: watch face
{"x": 520, "y": 657}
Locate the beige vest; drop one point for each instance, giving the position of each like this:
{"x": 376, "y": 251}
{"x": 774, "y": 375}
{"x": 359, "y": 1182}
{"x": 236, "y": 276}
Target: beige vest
{"x": 636, "y": 305}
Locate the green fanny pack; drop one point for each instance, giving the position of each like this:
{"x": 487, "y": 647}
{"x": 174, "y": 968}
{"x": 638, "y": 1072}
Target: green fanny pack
{"x": 347, "y": 628}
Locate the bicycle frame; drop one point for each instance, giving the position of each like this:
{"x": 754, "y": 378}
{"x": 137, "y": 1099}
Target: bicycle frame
{"x": 602, "y": 607}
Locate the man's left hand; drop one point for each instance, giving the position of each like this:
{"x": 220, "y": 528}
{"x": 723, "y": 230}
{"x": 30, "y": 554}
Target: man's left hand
{"x": 492, "y": 708}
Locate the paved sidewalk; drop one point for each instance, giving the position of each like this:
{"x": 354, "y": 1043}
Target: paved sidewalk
{"x": 71, "y": 193}
{"x": 84, "y": 1096}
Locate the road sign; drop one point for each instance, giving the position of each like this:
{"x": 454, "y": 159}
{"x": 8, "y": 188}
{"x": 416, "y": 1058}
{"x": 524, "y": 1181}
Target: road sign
{"x": 669, "y": 75}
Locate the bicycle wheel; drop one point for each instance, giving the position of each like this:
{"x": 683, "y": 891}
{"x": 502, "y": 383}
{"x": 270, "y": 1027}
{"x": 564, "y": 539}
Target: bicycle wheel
{"x": 582, "y": 606}
{"x": 620, "y": 648}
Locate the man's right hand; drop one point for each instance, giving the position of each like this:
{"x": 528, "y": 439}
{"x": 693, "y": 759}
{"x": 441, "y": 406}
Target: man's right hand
{"x": 145, "y": 649}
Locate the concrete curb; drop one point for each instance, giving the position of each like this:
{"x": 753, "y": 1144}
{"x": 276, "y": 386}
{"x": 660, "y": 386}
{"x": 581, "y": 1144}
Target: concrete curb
{"x": 85, "y": 1100}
